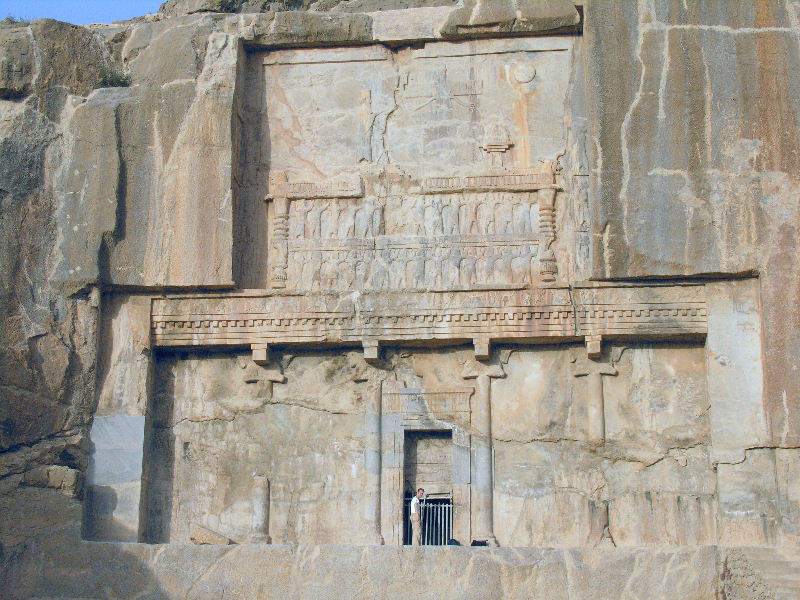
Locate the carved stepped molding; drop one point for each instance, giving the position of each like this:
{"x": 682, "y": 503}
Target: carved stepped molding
{"x": 346, "y": 185}
{"x": 455, "y": 317}
{"x": 509, "y": 181}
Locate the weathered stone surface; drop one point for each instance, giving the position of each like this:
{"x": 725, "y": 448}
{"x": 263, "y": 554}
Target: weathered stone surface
{"x": 67, "y": 56}
{"x": 16, "y": 62}
{"x": 299, "y": 28}
{"x": 760, "y": 573}
{"x": 31, "y": 512}
{"x": 695, "y": 168}
{"x": 409, "y": 223}
{"x": 748, "y": 499}
{"x": 787, "y": 465}
{"x": 198, "y": 446}
{"x": 179, "y": 571}
{"x": 173, "y": 8}
{"x": 125, "y": 358}
{"x": 499, "y": 16}
{"x": 203, "y": 536}
{"x": 111, "y": 506}
{"x": 735, "y": 370}
{"x": 186, "y": 75}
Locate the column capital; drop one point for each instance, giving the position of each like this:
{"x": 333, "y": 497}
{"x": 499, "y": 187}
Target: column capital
{"x": 474, "y": 369}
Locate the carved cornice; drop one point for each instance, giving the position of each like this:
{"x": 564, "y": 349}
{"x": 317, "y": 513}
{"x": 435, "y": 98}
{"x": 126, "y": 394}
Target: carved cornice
{"x": 455, "y": 317}
{"x": 509, "y": 181}
{"x": 345, "y": 185}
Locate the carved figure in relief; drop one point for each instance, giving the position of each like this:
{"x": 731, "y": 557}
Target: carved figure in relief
{"x": 308, "y": 268}
{"x": 363, "y": 223}
{"x": 433, "y": 277}
{"x": 377, "y": 221}
{"x": 346, "y": 274}
{"x": 433, "y": 219}
{"x": 328, "y": 274}
{"x": 582, "y": 241}
{"x": 485, "y": 219}
{"x": 521, "y": 219}
{"x": 450, "y": 275}
{"x": 520, "y": 267}
{"x": 397, "y": 271}
{"x": 313, "y": 221}
{"x": 297, "y": 217}
{"x": 347, "y": 222}
{"x": 382, "y": 261}
{"x": 361, "y": 275}
{"x": 466, "y": 219}
{"x": 413, "y": 208}
{"x": 502, "y": 212}
{"x": 379, "y": 275}
{"x": 534, "y": 212}
{"x": 467, "y": 271}
{"x": 328, "y": 221}
{"x": 415, "y": 272}
{"x": 482, "y": 266}
{"x": 449, "y": 219}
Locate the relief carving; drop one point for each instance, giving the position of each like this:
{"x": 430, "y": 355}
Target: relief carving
{"x": 420, "y": 406}
{"x": 666, "y": 312}
{"x": 415, "y": 242}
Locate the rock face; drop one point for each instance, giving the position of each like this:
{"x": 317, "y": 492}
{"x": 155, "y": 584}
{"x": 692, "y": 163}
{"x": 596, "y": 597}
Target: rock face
{"x": 534, "y": 259}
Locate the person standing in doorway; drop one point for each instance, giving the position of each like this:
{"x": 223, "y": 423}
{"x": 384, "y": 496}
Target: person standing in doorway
{"x": 416, "y": 518}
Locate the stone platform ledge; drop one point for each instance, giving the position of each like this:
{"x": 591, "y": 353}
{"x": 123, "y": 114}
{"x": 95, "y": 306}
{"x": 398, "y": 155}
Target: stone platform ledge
{"x": 69, "y": 569}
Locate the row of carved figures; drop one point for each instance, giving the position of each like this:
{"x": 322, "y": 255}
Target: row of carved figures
{"x": 430, "y": 216}
{"x": 415, "y": 270}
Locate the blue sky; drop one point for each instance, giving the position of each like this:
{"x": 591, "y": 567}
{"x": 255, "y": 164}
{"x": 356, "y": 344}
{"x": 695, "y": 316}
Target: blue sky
{"x": 80, "y": 12}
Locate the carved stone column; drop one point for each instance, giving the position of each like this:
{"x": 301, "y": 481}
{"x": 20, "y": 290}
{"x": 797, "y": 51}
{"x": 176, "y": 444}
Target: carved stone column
{"x": 547, "y": 229}
{"x": 483, "y": 484}
{"x": 260, "y": 522}
{"x": 279, "y": 255}
{"x": 593, "y": 370}
{"x": 373, "y": 463}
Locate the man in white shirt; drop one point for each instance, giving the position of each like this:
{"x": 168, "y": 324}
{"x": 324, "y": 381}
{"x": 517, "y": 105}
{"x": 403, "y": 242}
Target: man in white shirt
{"x": 416, "y": 518}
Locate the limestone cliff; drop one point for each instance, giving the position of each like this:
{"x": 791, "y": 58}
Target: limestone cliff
{"x": 672, "y": 144}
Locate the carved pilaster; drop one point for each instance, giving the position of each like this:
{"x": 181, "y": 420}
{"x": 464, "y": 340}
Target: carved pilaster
{"x": 594, "y": 369}
{"x": 547, "y": 231}
{"x": 279, "y": 255}
{"x": 260, "y": 534}
{"x": 483, "y": 486}
{"x": 373, "y": 463}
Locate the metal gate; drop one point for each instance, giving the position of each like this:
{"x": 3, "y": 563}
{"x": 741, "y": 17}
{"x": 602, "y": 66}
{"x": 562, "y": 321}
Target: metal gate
{"x": 437, "y": 519}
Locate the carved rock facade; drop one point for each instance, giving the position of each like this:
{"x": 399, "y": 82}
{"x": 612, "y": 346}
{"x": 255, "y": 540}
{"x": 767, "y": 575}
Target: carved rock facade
{"x": 311, "y": 261}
